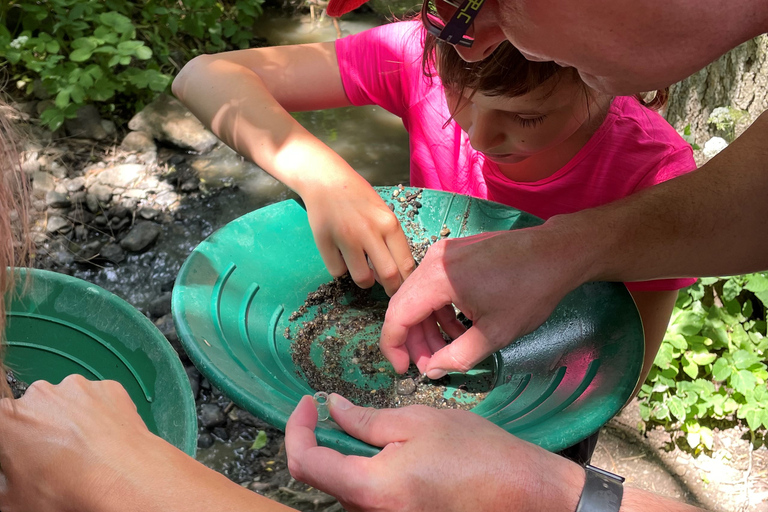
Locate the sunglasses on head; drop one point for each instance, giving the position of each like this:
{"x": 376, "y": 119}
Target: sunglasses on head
{"x": 460, "y": 18}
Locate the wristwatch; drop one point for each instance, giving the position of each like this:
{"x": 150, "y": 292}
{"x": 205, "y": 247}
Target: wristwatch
{"x": 602, "y": 491}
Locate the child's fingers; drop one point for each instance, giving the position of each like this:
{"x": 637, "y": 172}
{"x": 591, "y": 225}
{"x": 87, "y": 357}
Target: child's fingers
{"x": 387, "y": 272}
{"x": 397, "y": 244}
{"x": 357, "y": 263}
{"x": 332, "y": 257}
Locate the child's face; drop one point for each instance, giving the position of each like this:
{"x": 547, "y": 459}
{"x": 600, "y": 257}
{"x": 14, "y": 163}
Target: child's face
{"x": 509, "y": 130}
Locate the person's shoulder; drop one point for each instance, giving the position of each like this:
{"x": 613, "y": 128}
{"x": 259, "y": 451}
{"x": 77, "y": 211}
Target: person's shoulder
{"x": 405, "y": 35}
{"x": 632, "y": 116}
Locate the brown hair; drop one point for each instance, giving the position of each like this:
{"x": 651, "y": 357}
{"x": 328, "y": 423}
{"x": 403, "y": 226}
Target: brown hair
{"x": 504, "y": 73}
{"x": 14, "y": 227}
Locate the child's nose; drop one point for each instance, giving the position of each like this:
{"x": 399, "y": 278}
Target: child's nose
{"x": 484, "y": 134}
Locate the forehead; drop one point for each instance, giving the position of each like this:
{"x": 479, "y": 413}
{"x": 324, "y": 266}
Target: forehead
{"x": 557, "y": 94}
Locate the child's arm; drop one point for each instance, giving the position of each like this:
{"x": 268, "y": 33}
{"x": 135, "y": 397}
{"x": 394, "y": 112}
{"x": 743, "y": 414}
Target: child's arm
{"x": 655, "y": 308}
{"x": 245, "y": 96}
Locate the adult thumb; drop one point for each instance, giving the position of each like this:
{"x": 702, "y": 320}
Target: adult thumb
{"x": 461, "y": 355}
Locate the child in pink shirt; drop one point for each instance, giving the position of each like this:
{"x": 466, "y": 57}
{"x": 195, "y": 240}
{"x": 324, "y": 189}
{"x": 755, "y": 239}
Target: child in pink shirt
{"x": 530, "y": 135}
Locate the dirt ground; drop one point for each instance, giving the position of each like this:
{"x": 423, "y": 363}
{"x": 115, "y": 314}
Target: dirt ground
{"x": 733, "y": 478}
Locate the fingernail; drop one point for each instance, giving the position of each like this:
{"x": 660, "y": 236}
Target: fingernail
{"x": 436, "y": 373}
{"x": 339, "y": 402}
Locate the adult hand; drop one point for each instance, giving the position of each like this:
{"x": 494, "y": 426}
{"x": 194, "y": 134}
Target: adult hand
{"x": 59, "y": 445}
{"x": 507, "y": 283}
{"x": 352, "y": 225}
{"x": 441, "y": 460}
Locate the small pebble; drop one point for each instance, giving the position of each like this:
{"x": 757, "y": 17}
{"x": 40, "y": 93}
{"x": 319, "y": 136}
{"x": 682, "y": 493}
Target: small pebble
{"x": 406, "y": 387}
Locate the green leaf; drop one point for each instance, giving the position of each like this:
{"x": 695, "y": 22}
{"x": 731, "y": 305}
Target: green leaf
{"x": 701, "y": 356}
{"x": 80, "y": 55}
{"x": 757, "y": 283}
{"x": 753, "y": 414}
{"x": 677, "y": 340}
{"x": 743, "y": 359}
{"x": 707, "y": 439}
{"x": 689, "y": 367}
{"x": 721, "y": 370}
{"x": 743, "y": 381}
{"x": 63, "y": 98}
{"x": 143, "y": 53}
{"x": 260, "y": 441}
{"x": 731, "y": 289}
{"x": 677, "y": 408}
{"x": 117, "y": 21}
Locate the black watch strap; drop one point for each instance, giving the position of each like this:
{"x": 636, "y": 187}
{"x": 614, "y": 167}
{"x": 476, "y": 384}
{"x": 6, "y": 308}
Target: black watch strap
{"x": 602, "y": 491}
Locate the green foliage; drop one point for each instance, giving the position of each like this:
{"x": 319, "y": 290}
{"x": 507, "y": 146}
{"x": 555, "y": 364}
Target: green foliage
{"x": 260, "y": 441}
{"x": 115, "y": 53}
{"x": 711, "y": 364}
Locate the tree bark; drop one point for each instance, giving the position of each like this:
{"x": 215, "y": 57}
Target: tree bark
{"x": 738, "y": 79}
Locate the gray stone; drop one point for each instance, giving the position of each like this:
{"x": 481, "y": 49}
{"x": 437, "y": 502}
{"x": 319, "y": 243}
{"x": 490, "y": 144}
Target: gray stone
{"x": 160, "y": 306}
{"x": 141, "y": 236}
{"x": 221, "y": 433}
{"x": 57, "y": 224}
{"x": 81, "y": 232}
{"x": 87, "y": 124}
{"x": 109, "y": 127}
{"x": 138, "y": 142}
{"x": 58, "y": 170}
{"x": 57, "y": 199}
{"x": 119, "y": 224}
{"x": 30, "y": 163}
{"x": 81, "y": 216}
{"x": 78, "y": 198}
{"x": 166, "y": 119}
{"x": 148, "y": 213}
{"x": 92, "y": 203}
{"x": 205, "y": 440}
{"x": 211, "y": 416}
{"x": 102, "y": 192}
{"x": 44, "y": 105}
{"x": 193, "y": 374}
{"x": 75, "y": 184}
{"x": 60, "y": 252}
{"x": 135, "y": 193}
{"x": 122, "y": 176}
{"x": 112, "y": 252}
{"x": 89, "y": 251}
{"x": 100, "y": 220}
{"x": 42, "y": 183}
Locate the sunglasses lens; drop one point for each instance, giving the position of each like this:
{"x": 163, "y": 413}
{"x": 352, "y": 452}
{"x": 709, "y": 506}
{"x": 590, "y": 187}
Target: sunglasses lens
{"x": 435, "y": 16}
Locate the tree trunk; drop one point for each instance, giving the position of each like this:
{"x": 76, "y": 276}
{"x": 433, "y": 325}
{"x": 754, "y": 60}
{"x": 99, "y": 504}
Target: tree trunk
{"x": 738, "y": 80}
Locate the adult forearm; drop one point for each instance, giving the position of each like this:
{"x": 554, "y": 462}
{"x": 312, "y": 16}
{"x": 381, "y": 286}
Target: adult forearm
{"x": 709, "y": 222}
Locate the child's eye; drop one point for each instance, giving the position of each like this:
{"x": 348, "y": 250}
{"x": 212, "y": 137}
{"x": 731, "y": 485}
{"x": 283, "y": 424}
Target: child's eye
{"x": 530, "y": 122}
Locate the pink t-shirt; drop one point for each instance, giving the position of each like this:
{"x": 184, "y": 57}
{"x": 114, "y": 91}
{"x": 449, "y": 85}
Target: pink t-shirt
{"x": 633, "y": 149}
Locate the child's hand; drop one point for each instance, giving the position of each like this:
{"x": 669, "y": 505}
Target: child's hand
{"x": 353, "y": 226}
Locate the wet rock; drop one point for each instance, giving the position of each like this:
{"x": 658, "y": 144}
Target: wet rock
{"x": 109, "y": 127}
{"x": 119, "y": 224}
{"x": 122, "y": 176}
{"x": 138, "y": 142}
{"x": 166, "y": 119}
{"x": 249, "y": 419}
{"x": 112, "y": 252}
{"x": 221, "y": 433}
{"x": 100, "y": 220}
{"x": 42, "y": 183}
{"x": 57, "y": 200}
{"x": 211, "y": 416}
{"x": 161, "y": 306}
{"x": 193, "y": 374}
{"x": 81, "y": 216}
{"x": 57, "y": 224}
{"x": 87, "y": 124}
{"x": 102, "y": 192}
{"x": 119, "y": 211}
{"x": 89, "y": 251}
{"x": 205, "y": 440}
{"x": 60, "y": 252}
